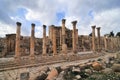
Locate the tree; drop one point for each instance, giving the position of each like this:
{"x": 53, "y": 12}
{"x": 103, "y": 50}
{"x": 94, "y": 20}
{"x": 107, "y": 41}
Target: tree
{"x": 118, "y": 34}
{"x": 111, "y": 34}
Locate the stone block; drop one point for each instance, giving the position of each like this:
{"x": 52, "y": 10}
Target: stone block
{"x": 24, "y": 76}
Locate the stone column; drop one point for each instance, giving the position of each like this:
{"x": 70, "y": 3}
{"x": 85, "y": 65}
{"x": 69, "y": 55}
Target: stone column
{"x": 44, "y": 40}
{"x": 54, "y": 42}
{"x": 98, "y": 33}
{"x": 105, "y": 42}
{"x": 74, "y": 36}
{"x": 32, "y": 41}
{"x": 64, "y": 46}
{"x": 60, "y": 37}
{"x": 17, "y": 47}
{"x": 60, "y": 40}
{"x": 63, "y": 31}
{"x": 77, "y": 39}
{"x": 93, "y": 38}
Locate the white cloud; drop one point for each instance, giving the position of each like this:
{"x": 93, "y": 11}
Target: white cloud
{"x": 44, "y": 11}
{"x": 6, "y": 29}
{"x": 38, "y": 31}
{"x": 107, "y": 20}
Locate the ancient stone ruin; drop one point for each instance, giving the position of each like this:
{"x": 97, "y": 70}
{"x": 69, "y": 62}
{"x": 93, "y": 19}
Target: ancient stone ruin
{"x": 29, "y": 54}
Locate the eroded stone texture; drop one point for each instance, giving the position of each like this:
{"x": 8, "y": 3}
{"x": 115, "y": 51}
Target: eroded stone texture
{"x": 17, "y": 47}
{"x": 74, "y": 36}
{"x": 32, "y": 41}
{"x": 98, "y": 33}
{"x": 54, "y": 42}
{"x": 44, "y": 40}
{"x": 93, "y": 38}
{"x": 64, "y": 46}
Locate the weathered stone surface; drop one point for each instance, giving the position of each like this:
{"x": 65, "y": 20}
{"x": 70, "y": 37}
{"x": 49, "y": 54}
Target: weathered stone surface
{"x": 96, "y": 66}
{"x": 64, "y": 48}
{"x": 93, "y": 38}
{"x": 53, "y": 73}
{"x": 116, "y": 67}
{"x": 78, "y": 77}
{"x": 88, "y": 71}
{"x": 107, "y": 71}
{"x": 118, "y": 55}
{"x": 24, "y": 76}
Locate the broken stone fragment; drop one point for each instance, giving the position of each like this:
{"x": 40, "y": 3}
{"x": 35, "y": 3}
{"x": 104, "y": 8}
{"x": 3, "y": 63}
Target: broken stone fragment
{"x": 76, "y": 69}
{"x": 43, "y": 76}
{"x": 88, "y": 71}
{"x": 97, "y": 66}
{"x": 107, "y": 71}
{"x": 116, "y": 67}
{"x": 78, "y": 77}
{"x": 54, "y": 73}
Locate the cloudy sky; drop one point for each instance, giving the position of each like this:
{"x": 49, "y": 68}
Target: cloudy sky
{"x": 102, "y": 13}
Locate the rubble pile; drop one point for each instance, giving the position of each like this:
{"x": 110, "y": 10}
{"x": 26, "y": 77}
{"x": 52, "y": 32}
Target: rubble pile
{"x": 100, "y": 69}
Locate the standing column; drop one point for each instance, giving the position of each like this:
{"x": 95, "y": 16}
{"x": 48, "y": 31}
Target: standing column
{"x": 105, "y": 42}
{"x": 60, "y": 40}
{"x": 17, "y": 47}
{"x": 74, "y": 36}
{"x": 77, "y": 39}
{"x": 44, "y": 40}
{"x": 64, "y": 46}
{"x": 93, "y": 38}
{"x": 54, "y": 42}
{"x": 32, "y": 41}
{"x": 98, "y": 33}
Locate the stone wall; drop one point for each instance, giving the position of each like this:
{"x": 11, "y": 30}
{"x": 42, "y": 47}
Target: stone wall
{"x": 7, "y": 45}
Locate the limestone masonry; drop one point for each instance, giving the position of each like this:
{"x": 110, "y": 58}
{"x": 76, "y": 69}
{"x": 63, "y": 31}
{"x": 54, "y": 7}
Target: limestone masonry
{"x": 61, "y": 40}
{"x": 25, "y": 57}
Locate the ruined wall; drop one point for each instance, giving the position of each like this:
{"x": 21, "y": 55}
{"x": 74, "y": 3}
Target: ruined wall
{"x": 2, "y": 47}
{"x": 85, "y": 43}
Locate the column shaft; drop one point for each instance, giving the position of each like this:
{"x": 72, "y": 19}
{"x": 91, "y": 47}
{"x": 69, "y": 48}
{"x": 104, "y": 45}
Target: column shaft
{"x": 93, "y": 38}
{"x": 74, "y": 36}
{"x": 44, "y": 40}
{"x": 17, "y": 47}
{"x": 105, "y": 42}
{"x": 54, "y": 42}
{"x": 32, "y": 40}
{"x": 64, "y": 46}
{"x": 98, "y": 33}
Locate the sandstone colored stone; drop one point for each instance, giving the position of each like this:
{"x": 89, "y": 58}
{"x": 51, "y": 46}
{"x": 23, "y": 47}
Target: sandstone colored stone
{"x": 53, "y": 73}
{"x": 116, "y": 67}
{"x": 97, "y": 66}
{"x": 107, "y": 71}
{"x": 93, "y": 38}
{"x": 64, "y": 48}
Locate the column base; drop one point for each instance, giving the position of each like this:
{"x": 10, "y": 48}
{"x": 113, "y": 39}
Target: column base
{"x": 32, "y": 57}
{"x": 75, "y": 51}
{"x": 64, "y": 48}
{"x": 44, "y": 54}
{"x": 17, "y": 60}
{"x": 54, "y": 54}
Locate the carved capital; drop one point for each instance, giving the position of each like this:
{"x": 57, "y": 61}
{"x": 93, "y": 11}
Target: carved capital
{"x": 93, "y": 27}
{"x": 33, "y": 24}
{"x": 63, "y": 21}
{"x": 18, "y": 23}
{"x": 74, "y": 23}
{"x": 44, "y": 26}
